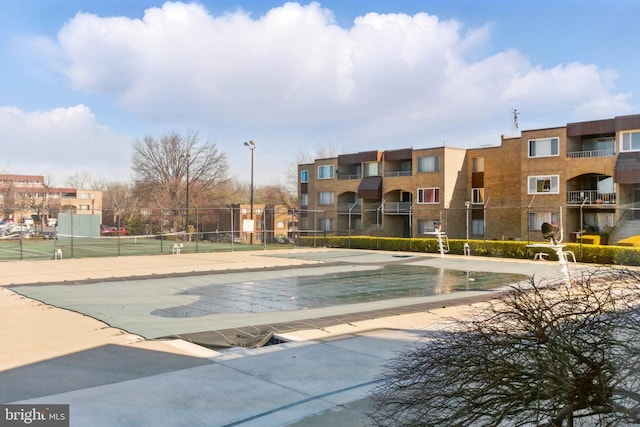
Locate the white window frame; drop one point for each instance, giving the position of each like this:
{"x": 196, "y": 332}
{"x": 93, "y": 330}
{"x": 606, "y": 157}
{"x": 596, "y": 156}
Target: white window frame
{"x": 304, "y": 176}
{"x": 326, "y": 175}
{"x": 304, "y": 200}
{"x": 421, "y": 195}
{"x": 477, "y": 196}
{"x": 429, "y": 164}
{"x": 547, "y": 151}
{"x": 477, "y": 164}
{"x": 325, "y": 194}
{"x": 533, "y": 184}
{"x": 629, "y": 136}
{"x": 536, "y": 219}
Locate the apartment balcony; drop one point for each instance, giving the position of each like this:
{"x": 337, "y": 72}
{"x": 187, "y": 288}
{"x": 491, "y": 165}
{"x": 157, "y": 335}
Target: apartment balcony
{"x": 590, "y": 197}
{"x": 396, "y": 208}
{"x": 594, "y": 147}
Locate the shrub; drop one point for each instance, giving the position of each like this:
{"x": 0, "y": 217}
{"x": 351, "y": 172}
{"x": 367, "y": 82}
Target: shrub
{"x": 589, "y": 253}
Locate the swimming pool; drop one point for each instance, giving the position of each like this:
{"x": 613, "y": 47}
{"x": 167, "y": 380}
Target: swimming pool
{"x": 302, "y": 292}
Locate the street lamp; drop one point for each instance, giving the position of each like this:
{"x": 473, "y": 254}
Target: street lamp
{"x": 466, "y": 248}
{"x": 187, "y": 158}
{"x": 467, "y": 205}
{"x": 252, "y": 146}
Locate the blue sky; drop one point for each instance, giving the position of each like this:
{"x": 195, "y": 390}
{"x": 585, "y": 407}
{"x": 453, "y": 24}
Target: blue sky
{"x": 80, "y": 80}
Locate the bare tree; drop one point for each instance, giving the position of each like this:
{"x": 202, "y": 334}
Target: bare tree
{"x": 160, "y": 167}
{"x": 119, "y": 203}
{"x": 275, "y": 195}
{"x": 550, "y": 355}
{"x": 84, "y": 181}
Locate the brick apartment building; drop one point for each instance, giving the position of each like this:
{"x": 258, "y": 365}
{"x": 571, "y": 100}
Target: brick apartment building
{"x": 28, "y": 196}
{"x": 585, "y": 176}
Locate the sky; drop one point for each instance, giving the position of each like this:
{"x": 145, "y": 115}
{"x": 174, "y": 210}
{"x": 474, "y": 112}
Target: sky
{"x": 82, "y": 80}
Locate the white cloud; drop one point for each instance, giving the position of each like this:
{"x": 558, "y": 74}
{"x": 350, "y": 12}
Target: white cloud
{"x": 295, "y": 64}
{"x": 293, "y": 77}
{"x": 61, "y": 142}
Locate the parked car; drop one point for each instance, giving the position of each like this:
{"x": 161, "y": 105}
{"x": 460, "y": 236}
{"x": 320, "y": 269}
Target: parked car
{"x": 19, "y": 228}
{"x": 107, "y": 230}
{"x": 49, "y": 233}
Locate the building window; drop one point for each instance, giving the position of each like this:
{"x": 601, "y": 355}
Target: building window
{"x": 428, "y": 195}
{"x": 280, "y": 225}
{"x": 325, "y": 198}
{"x": 429, "y": 164}
{"x": 243, "y": 211}
{"x": 478, "y": 164}
{"x": 477, "y": 196}
{"x": 325, "y": 172}
{"x": 544, "y": 184}
{"x": 304, "y": 176}
{"x": 477, "y": 227}
{"x": 426, "y": 226}
{"x": 84, "y": 207}
{"x": 304, "y": 200}
{"x": 372, "y": 169}
{"x": 544, "y": 147}
{"x": 84, "y": 195}
{"x": 325, "y": 224}
{"x": 536, "y": 219}
{"x": 631, "y": 141}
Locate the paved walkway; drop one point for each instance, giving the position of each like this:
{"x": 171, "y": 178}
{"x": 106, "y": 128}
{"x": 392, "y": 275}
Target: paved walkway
{"x": 319, "y": 376}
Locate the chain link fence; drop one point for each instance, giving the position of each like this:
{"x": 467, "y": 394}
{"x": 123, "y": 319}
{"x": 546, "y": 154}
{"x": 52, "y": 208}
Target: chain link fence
{"x": 148, "y": 231}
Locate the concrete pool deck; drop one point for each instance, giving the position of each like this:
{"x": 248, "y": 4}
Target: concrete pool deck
{"x": 320, "y": 376}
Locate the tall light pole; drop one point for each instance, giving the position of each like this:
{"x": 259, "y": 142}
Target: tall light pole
{"x": 467, "y": 205}
{"x": 466, "y": 249}
{"x": 187, "y": 158}
{"x": 252, "y": 146}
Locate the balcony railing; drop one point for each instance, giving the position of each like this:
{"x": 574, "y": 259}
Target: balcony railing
{"x": 397, "y": 207}
{"x": 352, "y": 207}
{"x": 350, "y": 176}
{"x": 592, "y": 197}
{"x": 397, "y": 173}
{"x": 593, "y": 153}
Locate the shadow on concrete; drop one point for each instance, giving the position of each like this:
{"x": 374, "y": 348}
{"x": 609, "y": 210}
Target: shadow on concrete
{"x": 97, "y": 366}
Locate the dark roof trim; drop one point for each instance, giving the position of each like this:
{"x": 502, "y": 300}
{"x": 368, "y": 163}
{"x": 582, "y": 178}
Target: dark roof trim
{"x": 361, "y": 157}
{"x": 627, "y": 170}
{"x": 370, "y": 188}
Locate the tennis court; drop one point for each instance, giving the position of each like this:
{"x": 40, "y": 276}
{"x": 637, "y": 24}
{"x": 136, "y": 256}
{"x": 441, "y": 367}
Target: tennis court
{"x": 16, "y": 248}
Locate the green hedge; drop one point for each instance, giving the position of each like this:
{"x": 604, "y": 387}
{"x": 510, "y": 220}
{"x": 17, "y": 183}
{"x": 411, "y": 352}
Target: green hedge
{"x": 596, "y": 254}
